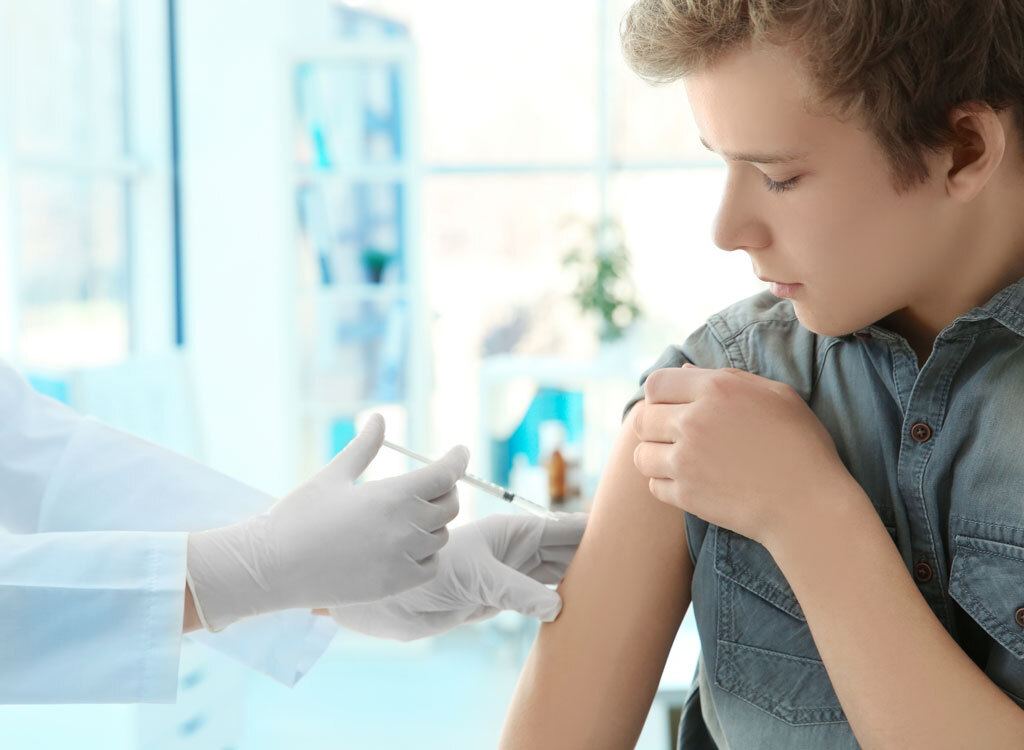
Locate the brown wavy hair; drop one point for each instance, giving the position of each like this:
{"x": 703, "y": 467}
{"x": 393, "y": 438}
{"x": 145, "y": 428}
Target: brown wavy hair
{"x": 904, "y": 65}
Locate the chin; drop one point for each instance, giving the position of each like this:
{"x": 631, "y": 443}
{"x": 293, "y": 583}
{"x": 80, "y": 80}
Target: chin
{"x": 827, "y": 325}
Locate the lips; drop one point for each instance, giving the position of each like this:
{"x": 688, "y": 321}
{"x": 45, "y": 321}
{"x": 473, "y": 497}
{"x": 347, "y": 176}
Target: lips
{"x": 785, "y": 290}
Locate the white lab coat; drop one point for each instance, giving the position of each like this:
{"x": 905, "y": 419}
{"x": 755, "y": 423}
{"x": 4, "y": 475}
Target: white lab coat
{"x": 93, "y": 531}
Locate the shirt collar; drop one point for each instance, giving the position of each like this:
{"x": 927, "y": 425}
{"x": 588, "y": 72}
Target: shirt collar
{"x": 1006, "y": 307}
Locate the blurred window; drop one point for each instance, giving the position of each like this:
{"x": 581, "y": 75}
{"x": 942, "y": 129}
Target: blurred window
{"x": 531, "y": 122}
{"x": 86, "y": 229}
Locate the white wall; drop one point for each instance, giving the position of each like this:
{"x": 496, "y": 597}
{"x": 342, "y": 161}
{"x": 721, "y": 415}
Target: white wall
{"x": 237, "y": 224}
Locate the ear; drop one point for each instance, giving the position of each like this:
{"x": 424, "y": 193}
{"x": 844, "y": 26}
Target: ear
{"x": 977, "y": 151}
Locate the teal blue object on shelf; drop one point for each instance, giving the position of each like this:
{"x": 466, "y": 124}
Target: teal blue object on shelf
{"x": 47, "y": 385}
{"x": 548, "y": 404}
{"x": 323, "y": 159}
{"x": 342, "y": 432}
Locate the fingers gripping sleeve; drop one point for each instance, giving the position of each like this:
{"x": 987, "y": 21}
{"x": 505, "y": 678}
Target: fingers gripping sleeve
{"x": 703, "y": 348}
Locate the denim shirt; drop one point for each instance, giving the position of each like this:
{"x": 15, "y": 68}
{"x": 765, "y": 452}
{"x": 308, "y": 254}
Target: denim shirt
{"x": 939, "y": 450}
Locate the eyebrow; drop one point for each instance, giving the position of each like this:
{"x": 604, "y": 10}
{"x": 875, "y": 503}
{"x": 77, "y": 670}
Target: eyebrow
{"x": 779, "y": 157}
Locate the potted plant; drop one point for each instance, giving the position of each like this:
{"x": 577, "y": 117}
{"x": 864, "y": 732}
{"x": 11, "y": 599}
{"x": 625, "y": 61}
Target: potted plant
{"x": 375, "y": 261}
{"x": 600, "y": 262}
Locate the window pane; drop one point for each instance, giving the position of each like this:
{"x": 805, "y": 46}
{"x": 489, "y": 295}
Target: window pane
{"x": 648, "y": 123}
{"x": 493, "y": 247}
{"x": 504, "y": 83}
{"x": 73, "y": 271}
{"x": 70, "y": 49}
{"x": 349, "y": 114}
{"x": 682, "y": 277}
{"x": 528, "y": 93}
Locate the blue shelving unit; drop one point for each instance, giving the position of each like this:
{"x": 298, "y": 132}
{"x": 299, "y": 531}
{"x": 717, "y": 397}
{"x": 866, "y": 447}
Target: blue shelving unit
{"x": 363, "y": 340}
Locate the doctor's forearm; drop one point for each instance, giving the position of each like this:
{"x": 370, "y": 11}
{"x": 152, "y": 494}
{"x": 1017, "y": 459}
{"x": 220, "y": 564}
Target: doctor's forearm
{"x": 190, "y": 621}
{"x": 900, "y": 677}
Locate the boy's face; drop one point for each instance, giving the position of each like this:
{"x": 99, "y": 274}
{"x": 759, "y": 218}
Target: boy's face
{"x": 833, "y": 222}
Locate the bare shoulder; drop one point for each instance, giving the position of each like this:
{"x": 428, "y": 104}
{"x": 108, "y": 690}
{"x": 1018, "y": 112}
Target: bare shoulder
{"x": 628, "y": 514}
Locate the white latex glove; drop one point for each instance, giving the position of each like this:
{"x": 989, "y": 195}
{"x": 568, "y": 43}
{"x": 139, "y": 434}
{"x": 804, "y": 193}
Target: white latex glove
{"x": 497, "y": 563}
{"x": 330, "y": 541}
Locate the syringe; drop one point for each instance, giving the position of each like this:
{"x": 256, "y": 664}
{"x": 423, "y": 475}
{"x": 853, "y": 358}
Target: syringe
{"x": 489, "y": 487}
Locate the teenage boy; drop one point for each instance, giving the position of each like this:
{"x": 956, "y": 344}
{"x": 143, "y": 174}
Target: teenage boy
{"x": 849, "y": 447}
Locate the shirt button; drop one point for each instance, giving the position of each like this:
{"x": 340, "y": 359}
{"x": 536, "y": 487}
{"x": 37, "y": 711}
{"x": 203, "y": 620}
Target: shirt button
{"x": 1019, "y": 616}
{"x": 921, "y": 432}
{"x": 923, "y": 574}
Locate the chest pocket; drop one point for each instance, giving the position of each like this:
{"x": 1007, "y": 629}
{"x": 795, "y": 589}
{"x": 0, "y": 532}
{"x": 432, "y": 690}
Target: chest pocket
{"x": 987, "y": 581}
{"x": 765, "y": 654}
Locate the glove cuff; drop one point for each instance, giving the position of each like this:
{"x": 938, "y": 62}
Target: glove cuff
{"x": 195, "y": 600}
{"x": 226, "y": 573}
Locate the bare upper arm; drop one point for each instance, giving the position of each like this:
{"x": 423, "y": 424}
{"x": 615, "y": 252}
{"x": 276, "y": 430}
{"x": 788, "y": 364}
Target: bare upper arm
{"x": 592, "y": 674}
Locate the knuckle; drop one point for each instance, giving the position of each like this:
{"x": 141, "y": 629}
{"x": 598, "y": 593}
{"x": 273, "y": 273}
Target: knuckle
{"x": 394, "y": 495}
{"x": 690, "y": 444}
{"x": 656, "y": 380}
{"x": 406, "y": 529}
{"x": 394, "y": 513}
{"x": 677, "y": 455}
{"x": 638, "y": 415}
{"x": 718, "y": 383}
{"x": 442, "y": 537}
{"x": 699, "y": 418}
{"x": 638, "y": 455}
{"x": 453, "y": 511}
{"x": 427, "y": 568}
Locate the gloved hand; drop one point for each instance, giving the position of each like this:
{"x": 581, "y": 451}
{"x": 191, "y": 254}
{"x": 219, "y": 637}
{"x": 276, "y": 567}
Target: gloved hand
{"x": 330, "y": 541}
{"x": 497, "y": 563}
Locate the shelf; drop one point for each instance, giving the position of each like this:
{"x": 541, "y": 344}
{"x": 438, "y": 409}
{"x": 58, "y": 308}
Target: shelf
{"x": 360, "y": 345}
{"x": 357, "y": 292}
{"x": 383, "y": 172}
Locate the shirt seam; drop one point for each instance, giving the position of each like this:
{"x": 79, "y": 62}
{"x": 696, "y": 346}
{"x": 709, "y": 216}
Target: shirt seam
{"x": 714, "y": 323}
{"x": 985, "y": 523}
{"x": 977, "y": 551}
{"x": 731, "y": 341}
{"x": 752, "y": 323}
{"x": 145, "y": 673}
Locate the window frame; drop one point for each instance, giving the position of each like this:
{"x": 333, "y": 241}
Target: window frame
{"x": 146, "y": 169}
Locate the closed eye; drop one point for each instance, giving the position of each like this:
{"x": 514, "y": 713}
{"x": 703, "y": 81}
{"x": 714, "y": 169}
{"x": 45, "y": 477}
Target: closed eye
{"x": 779, "y": 187}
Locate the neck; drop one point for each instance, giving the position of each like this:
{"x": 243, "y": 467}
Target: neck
{"x": 985, "y": 256}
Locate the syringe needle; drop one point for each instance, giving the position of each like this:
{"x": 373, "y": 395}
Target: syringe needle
{"x": 482, "y": 484}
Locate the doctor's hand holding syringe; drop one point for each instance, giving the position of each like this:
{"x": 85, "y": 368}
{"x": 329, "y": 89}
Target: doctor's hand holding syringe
{"x": 378, "y": 556}
{"x": 111, "y": 547}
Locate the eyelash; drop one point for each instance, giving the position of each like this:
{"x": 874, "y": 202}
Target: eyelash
{"x": 779, "y": 187}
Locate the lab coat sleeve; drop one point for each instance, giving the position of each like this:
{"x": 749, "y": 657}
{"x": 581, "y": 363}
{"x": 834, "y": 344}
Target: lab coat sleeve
{"x": 34, "y": 431}
{"x": 76, "y": 474}
{"x": 90, "y": 617}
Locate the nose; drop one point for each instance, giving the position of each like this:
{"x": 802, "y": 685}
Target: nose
{"x": 738, "y": 224}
